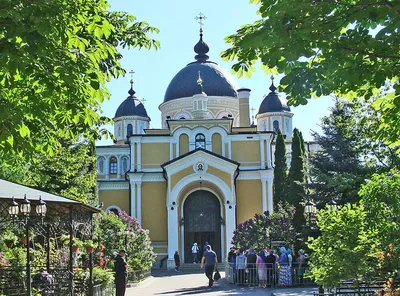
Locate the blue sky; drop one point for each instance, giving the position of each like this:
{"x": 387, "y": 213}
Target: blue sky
{"x": 179, "y": 32}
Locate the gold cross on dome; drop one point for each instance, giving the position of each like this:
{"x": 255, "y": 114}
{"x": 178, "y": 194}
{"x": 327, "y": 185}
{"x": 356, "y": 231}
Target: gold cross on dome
{"x": 200, "y": 19}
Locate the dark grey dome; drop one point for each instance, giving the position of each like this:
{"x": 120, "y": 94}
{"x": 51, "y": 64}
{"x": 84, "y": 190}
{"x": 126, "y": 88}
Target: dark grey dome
{"x": 131, "y": 107}
{"x": 272, "y": 102}
{"x": 215, "y": 80}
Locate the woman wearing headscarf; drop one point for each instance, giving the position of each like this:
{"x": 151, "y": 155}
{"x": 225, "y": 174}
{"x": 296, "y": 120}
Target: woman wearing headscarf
{"x": 284, "y": 269}
{"x": 251, "y": 266}
{"x": 290, "y": 259}
{"x": 262, "y": 275}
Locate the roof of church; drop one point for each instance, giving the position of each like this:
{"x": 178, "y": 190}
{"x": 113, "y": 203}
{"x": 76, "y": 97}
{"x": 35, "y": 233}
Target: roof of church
{"x": 131, "y": 106}
{"x": 216, "y": 81}
{"x": 199, "y": 149}
{"x": 272, "y": 102}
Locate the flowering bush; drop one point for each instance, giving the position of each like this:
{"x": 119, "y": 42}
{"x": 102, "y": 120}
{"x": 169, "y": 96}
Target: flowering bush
{"x": 122, "y": 231}
{"x": 259, "y": 231}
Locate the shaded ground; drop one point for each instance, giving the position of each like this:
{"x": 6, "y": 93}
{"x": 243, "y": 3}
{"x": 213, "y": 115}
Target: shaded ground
{"x": 177, "y": 284}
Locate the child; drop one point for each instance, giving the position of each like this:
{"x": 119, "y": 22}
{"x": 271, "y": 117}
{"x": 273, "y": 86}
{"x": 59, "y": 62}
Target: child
{"x": 177, "y": 260}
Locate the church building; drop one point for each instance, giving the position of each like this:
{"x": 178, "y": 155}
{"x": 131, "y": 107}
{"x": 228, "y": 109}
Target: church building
{"x": 207, "y": 169}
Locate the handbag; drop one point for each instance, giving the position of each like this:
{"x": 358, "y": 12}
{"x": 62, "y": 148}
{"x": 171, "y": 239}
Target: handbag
{"x": 217, "y": 276}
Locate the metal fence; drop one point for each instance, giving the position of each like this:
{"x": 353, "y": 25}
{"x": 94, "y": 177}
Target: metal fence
{"x": 138, "y": 275}
{"x": 100, "y": 290}
{"x": 272, "y": 275}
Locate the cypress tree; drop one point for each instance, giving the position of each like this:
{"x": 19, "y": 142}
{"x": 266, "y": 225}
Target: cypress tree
{"x": 280, "y": 169}
{"x": 295, "y": 184}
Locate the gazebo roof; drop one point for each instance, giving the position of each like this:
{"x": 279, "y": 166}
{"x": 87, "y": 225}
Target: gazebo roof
{"x": 8, "y": 190}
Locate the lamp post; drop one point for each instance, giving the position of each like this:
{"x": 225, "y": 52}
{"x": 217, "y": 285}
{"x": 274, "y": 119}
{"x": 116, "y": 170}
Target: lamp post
{"x": 310, "y": 211}
{"x": 25, "y": 209}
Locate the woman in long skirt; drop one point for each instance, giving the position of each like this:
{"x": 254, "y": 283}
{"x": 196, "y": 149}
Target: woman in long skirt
{"x": 285, "y": 278}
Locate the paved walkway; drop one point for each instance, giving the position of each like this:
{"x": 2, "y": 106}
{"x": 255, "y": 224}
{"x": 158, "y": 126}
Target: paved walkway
{"x": 176, "y": 284}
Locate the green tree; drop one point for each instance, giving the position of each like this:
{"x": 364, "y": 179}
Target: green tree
{"x": 360, "y": 240}
{"x": 56, "y": 58}
{"x": 69, "y": 172}
{"x": 337, "y": 171}
{"x": 344, "y": 250}
{"x": 295, "y": 181}
{"x": 320, "y": 45}
{"x": 280, "y": 175}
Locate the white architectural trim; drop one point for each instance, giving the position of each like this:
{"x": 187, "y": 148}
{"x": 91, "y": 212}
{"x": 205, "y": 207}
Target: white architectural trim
{"x": 110, "y": 185}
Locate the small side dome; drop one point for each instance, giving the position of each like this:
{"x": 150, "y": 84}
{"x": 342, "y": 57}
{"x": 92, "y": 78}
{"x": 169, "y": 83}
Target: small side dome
{"x": 131, "y": 106}
{"x": 272, "y": 102}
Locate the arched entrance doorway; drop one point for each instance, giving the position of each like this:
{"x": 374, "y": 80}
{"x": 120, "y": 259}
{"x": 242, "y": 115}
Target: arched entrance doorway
{"x": 202, "y": 223}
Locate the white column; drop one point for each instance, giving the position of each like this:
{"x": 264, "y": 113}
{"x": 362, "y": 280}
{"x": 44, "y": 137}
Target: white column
{"x": 139, "y": 156}
{"x": 230, "y": 150}
{"x": 133, "y": 199}
{"x": 269, "y": 159}
{"x": 139, "y": 202}
{"x": 230, "y": 225}
{"x": 132, "y": 157}
{"x": 119, "y": 167}
{"x": 262, "y": 154}
{"x": 264, "y": 195}
{"x": 107, "y": 167}
{"x": 270, "y": 201}
{"x": 177, "y": 149}
{"x": 171, "y": 149}
{"x": 172, "y": 234}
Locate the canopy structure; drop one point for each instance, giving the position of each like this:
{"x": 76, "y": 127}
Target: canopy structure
{"x": 64, "y": 217}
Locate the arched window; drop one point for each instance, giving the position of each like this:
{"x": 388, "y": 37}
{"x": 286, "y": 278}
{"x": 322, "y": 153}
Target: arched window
{"x": 113, "y": 165}
{"x": 129, "y": 130}
{"x": 100, "y": 164}
{"x": 200, "y": 141}
{"x": 124, "y": 164}
{"x": 275, "y": 125}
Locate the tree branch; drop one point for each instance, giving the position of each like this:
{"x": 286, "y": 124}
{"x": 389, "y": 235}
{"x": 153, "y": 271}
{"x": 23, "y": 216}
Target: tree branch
{"x": 371, "y": 54}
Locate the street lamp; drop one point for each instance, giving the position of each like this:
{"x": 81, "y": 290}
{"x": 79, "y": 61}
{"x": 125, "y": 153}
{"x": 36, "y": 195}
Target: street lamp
{"x": 310, "y": 210}
{"x": 25, "y": 208}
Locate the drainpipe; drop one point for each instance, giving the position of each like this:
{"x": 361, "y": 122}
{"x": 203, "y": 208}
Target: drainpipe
{"x": 127, "y": 176}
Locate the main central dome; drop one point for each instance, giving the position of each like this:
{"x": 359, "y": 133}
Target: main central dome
{"x": 216, "y": 81}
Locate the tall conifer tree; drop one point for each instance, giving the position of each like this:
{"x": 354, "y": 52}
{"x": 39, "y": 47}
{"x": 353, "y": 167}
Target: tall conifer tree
{"x": 295, "y": 189}
{"x": 337, "y": 171}
{"x": 280, "y": 176}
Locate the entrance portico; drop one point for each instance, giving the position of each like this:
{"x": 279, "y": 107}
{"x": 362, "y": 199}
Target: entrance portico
{"x": 217, "y": 176}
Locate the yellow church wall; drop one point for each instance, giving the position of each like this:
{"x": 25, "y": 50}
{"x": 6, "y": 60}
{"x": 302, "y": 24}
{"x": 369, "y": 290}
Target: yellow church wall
{"x": 154, "y": 154}
{"x": 246, "y": 152}
{"x": 154, "y": 210}
{"x": 220, "y": 174}
{"x": 183, "y": 144}
{"x": 248, "y": 199}
{"x": 119, "y": 198}
{"x": 175, "y": 178}
{"x": 216, "y": 143}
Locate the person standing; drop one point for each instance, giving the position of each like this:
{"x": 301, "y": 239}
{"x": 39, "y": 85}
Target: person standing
{"x": 251, "y": 266}
{"x": 241, "y": 261}
{"x": 284, "y": 269}
{"x": 209, "y": 260}
{"x": 195, "y": 252}
{"x": 177, "y": 260}
{"x": 261, "y": 269}
{"x": 121, "y": 273}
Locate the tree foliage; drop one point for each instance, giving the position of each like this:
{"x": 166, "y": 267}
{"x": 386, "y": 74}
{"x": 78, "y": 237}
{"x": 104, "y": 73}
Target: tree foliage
{"x": 295, "y": 180}
{"x": 69, "y": 172}
{"x": 122, "y": 231}
{"x": 360, "y": 240}
{"x": 280, "y": 175}
{"x": 347, "y": 48}
{"x": 344, "y": 249}
{"x": 337, "y": 170}
{"x": 259, "y": 231}
{"x": 56, "y": 57}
